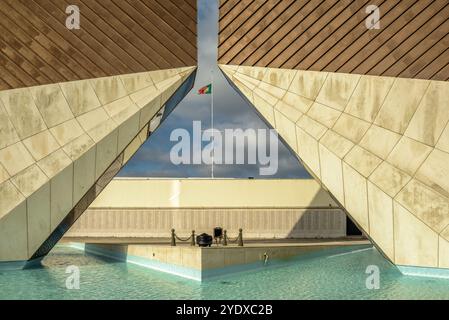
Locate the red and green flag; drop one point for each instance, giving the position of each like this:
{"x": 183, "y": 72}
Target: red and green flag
{"x": 206, "y": 90}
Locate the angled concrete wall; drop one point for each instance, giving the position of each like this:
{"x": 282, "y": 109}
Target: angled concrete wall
{"x": 60, "y": 144}
{"x": 380, "y": 145}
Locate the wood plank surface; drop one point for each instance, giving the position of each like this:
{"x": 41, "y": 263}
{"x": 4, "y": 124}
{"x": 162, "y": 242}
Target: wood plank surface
{"x": 331, "y": 35}
{"x": 116, "y": 37}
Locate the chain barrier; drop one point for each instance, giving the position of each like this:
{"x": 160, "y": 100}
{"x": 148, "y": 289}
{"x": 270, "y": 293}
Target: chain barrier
{"x": 226, "y": 238}
{"x": 174, "y": 237}
{"x": 238, "y": 240}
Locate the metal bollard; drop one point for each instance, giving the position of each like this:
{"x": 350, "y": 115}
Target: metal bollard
{"x": 173, "y": 239}
{"x": 192, "y": 242}
{"x": 225, "y": 238}
{"x": 240, "y": 241}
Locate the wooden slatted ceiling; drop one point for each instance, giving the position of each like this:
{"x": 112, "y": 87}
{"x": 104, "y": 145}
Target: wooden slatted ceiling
{"x": 330, "y": 35}
{"x": 116, "y": 37}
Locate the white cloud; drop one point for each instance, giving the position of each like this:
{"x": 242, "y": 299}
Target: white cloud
{"x": 231, "y": 111}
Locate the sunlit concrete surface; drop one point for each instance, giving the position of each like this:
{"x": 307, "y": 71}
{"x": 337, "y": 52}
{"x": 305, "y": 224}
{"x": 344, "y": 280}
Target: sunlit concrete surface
{"x": 212, "y": 193}
{"x": 378, "y": 144}
{"x": 58, "y": 143}
{"x": 206, "y": 263}
{"x": 134, "y": 208}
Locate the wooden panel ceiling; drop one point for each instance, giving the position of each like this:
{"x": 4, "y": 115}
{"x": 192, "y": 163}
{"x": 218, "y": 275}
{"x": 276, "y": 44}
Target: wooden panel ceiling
{"x": 331, "y": 35}
{"x": 115, "y": 37}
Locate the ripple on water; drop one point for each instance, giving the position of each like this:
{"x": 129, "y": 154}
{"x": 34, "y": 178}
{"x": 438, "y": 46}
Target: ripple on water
{"x": 323, "y": 277}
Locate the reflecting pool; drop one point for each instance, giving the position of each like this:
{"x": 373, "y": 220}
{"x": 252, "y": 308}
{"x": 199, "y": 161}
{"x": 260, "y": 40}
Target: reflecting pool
{"x": 328, "y": 276}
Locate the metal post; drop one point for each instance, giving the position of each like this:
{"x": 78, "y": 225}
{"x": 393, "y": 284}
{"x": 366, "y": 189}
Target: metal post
{"x": 192, "y": 242}
{"x": 240, "y": 241}
{"x": 212, "y": 122}
{"x": 173, "y": 239}
{"x": 225, "y": 238}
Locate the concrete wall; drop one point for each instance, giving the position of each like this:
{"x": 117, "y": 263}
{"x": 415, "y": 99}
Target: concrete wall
{"x": 257, "y": 223}
{"x": 380, "y": 145}
{"x": 263, "y": 208}
{"x": 212, "y": 193}
{"x": 206, "y": 263}
{"x": 76, "y": 103}
{"x": 61, "y": 144}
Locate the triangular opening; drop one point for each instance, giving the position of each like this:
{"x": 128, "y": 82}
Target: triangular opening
{"x": 231, "y": 111}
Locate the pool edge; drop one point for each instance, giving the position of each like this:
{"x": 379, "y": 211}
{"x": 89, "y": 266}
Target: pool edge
{"x": 425, "y": 272}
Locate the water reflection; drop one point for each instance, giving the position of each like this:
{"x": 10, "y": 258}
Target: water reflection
{"x": 318, "y": 277}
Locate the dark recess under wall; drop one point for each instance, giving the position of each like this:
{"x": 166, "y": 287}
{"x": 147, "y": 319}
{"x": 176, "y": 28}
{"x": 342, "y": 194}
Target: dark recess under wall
{"x": 351, "y": 228}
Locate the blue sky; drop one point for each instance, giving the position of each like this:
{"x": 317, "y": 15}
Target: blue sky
{"x": 231, "y": 111}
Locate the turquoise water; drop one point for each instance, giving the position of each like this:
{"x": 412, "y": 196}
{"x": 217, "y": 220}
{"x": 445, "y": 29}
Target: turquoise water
{"x": 331, "y": 276}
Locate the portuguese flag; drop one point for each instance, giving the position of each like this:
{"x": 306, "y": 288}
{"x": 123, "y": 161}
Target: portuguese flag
{"x": 206, "y": 90}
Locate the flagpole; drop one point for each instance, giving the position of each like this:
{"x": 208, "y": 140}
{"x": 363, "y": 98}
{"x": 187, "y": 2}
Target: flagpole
{"x": 212, "y": 121}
